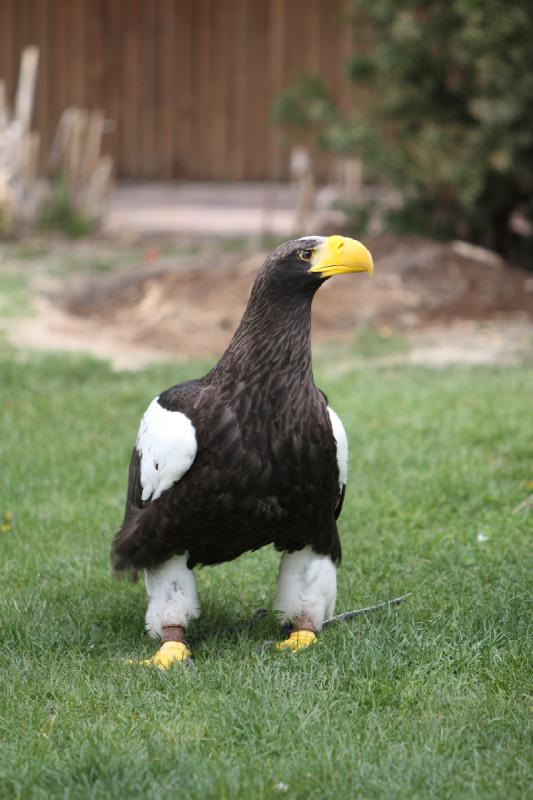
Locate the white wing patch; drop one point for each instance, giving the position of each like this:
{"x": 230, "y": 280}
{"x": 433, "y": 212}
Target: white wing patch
{"x": 167, "y": 446}
{"x": 342, "y": 446}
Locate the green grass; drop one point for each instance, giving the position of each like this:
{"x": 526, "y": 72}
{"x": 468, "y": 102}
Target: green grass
{"x": 30, "y": 250}
{"x": 15, "y": 296}
{"x": 428, "y": 701}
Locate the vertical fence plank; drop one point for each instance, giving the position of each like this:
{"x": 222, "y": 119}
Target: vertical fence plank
{"x": 131, "y": 95}
{"x": 75, "y": 86}
{"x": 166, "y": 92}
{"x": 183, "y": 89}
{"x": 37, "y": 33}
{"x": 221, "y": 38}
{"x": 277, "y": 156}
{"x": 112, "y": 79}
{"x": 202, "y": 89}
{"x": 188, "y": 83}
{"x": 7, "y": 8}
{"x": 148, "y": 57}
{"x": 241, "y": 127}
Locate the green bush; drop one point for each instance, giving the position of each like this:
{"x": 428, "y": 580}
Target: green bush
{"x": 60, "y": 213}
{"x": 454, "y": 110}
{"x": 305, "y": 110}
{"x": 449, "y": 118}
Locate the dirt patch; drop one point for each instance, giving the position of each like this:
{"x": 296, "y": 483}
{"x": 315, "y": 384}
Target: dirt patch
{"x": 191, "y": 309}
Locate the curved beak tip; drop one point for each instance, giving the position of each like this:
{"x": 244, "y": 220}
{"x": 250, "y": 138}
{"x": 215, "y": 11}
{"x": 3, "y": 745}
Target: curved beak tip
{"x": 340, "y": 254}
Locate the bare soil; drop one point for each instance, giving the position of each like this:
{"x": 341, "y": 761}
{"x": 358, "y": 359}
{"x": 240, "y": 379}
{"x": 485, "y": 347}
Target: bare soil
{"x": 189, "y": 307}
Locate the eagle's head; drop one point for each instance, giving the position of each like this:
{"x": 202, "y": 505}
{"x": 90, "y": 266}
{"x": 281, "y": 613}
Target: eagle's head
{"x": 302, "y": 265}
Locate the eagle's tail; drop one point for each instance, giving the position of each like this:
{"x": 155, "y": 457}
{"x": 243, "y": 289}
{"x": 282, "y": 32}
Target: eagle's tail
{"x": 136, "y": 544}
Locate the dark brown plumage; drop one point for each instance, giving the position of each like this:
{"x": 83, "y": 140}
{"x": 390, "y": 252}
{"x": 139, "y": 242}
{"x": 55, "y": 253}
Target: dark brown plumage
{"x": 266, "y": 467}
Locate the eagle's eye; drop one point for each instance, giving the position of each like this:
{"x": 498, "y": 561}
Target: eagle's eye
{"x": 306, "y": 255}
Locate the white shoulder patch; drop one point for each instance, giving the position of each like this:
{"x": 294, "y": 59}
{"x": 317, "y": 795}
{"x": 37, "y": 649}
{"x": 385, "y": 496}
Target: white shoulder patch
{"x": 342, "y": 446}
{"x": 167, "y": 446}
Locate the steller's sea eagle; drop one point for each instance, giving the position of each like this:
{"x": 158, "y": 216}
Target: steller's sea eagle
{"x": 248, "y": 455}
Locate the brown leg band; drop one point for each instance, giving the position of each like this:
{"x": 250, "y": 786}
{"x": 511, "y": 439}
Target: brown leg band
{"x": 173, "y": 633}
{"x": 302, "y": 623}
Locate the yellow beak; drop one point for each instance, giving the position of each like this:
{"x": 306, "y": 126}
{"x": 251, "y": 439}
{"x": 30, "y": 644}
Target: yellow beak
{"x": 339, "y": 254}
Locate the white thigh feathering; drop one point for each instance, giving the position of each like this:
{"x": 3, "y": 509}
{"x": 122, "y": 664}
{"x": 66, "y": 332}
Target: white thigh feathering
{"x": 307, "y": 586}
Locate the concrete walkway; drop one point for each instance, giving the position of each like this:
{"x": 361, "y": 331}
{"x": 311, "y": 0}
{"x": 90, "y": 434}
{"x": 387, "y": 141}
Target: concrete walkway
{"x": 246, "y": 209}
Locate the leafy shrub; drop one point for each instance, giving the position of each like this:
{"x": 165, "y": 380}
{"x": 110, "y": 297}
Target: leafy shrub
{"x": 454, "y": 110}
{"x": 306, "y": 110}
{"x": 449, "y": 118}
{"x": 60, "y": 213}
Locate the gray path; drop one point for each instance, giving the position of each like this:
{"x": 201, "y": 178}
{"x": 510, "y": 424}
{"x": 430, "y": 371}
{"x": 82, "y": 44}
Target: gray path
{"x": 202, "y": 208}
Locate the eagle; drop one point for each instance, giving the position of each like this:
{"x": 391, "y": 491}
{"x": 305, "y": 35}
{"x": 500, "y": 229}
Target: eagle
{"x": 248, "y": 455}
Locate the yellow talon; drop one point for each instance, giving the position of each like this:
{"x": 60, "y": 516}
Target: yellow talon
{"x": 297, "y": 641}
{"x": 168, "y": 654}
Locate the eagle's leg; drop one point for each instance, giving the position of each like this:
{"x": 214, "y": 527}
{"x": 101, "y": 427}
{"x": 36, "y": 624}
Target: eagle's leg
{"x": 172, "y": 603}
{"x": 307, "y": 588}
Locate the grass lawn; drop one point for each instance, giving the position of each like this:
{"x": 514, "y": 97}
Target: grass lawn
{"x": 430, "y": 700}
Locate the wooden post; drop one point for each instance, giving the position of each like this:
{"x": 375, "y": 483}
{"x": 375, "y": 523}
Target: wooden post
{"x": 26, "y": 86}
{"x": 300, "y": 164}
{"x": 75, "y": 155}
{"x": 349, "y": 174}
{"x": 4, "y": 111}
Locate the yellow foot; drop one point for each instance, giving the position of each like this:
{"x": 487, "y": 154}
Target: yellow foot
{"x": 168, "y": 654}
{"x": 297, "y": 641}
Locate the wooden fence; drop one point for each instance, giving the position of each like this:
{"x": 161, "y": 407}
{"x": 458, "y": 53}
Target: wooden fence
{"x": 188, "y": 84}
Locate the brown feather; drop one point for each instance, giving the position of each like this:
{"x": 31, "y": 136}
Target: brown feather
{"x": 266, "y": 470}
